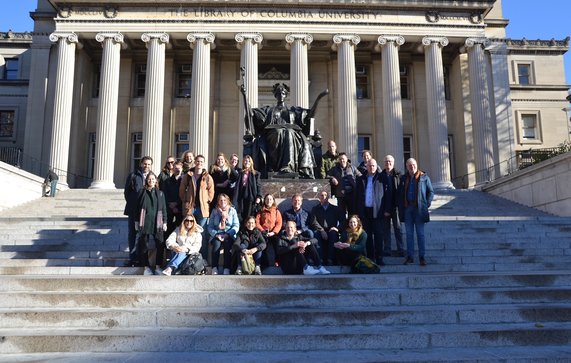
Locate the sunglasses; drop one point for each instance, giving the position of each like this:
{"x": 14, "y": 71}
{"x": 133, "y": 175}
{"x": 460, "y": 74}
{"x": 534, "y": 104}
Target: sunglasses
{"x": 189, "y": 220}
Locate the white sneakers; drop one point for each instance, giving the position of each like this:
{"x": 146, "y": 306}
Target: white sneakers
{"x": 148, "y": 271}
{"x": 310, "y": 270}
{"x": 167, "y": 271}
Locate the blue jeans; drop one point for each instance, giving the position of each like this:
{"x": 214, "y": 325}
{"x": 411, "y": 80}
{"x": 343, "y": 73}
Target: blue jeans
{"x": 216, "y": 245}
{"x": 176, "y": 259}
{"x": 410, "y": 222}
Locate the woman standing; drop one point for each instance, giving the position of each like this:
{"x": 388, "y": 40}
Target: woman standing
{"x": 223, "y": 176}
{"x": 151, "y": 213}
{"x": 187, "y": 159}
{"x": 354, "y": 242}
{"x": 269, "y": 222}
{"x": 222, "y": 228}
{"x": 185, "y": 241}
{"x": 248, "y": 191}
{"x": 249, "y": 242}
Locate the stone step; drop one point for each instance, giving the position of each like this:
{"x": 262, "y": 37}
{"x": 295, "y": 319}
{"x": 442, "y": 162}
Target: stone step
{"x": 246, "y": 339}
{"x": 268, "y": 283}
{"x": 512, "y": 354}
{"x": 180, "y": 317}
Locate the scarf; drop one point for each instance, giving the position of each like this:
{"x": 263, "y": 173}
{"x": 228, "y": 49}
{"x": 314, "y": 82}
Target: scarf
{"x": 353, "y": 236}
{"x": 223, "y": 218}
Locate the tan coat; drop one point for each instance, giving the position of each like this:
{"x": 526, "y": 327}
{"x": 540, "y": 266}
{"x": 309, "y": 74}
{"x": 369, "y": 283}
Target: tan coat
{"x": 187, "y": 193}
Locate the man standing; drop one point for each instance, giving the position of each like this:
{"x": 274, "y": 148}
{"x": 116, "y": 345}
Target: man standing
{"x": 133, "y": 186}
{"x": 196, "y": 191}
{"x": 51, "y": 182}
{"x": 343, "y": 179}
{"x": 391, "y": 180}
{"x": 415, "y": 196}
{"x": 329, "y": 159}
{"x": 327, "y": 221}
{"x": 370, "y": 191}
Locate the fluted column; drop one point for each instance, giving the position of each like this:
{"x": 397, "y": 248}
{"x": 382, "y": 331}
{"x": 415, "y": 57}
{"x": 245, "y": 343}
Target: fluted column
{"x": 63, "y": 101}
{"x": 200, "y": 93}
{"x": 436, "y": 107}
{"x": 392, "y": 103}
{"x": 503, "y": 108}
{"x": 347, "y": 94}
{"x": 299, "y": 44}
{"x": 107, "y": 111}
{"x": 248, "y": 43}
{"x": 481, "y": 118}
{"x": 154, "y": 95}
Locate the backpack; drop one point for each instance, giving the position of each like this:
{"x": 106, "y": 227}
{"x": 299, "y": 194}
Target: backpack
{"x": 192, "y": 265}
{"x": 364, "y": 265}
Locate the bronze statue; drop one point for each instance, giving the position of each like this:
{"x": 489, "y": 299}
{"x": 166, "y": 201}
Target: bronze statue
{"x": 281, "y": 135}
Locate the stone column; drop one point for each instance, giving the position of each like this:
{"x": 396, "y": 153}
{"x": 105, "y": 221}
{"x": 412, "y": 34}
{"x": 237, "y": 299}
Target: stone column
{"x": 481, "y": 117}
{"x": 248, "y": 43}
{"x": 107, "y": 111}
{"x": 299, "y": 44}
{"x": 439, "y": 169}
{"x": 503, "y": 108}
{"x": 200, "y": 93}
{"x": 63, "y": 102}
{"x": 154, "y": 96}
{"x": 347, "y": 95}
{"x": 392, "y": 102}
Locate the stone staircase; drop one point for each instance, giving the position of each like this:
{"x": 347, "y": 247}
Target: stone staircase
{"x": 497, "y": 288}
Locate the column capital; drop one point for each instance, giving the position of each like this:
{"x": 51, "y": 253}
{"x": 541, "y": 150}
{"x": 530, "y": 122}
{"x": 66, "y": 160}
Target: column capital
{"x": 242, "y": 37}
{"x": 305, "y": 37}
{"x": 471, "y": 42}
{"x": 384, "y": 39}
{"x": 340, "y": 38}
{"x": 117, "y": 37}
{"x": 70, "y": 37}
{"x": 193, "y": 38}
{"x": 443, "y": 41}
{"x": 163, "y": 37}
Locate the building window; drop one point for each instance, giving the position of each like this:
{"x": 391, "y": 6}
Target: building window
{"x": 362, "y": 77}
{"x": 407, "y": 148}
{"x": 363, "y": 143}
{"x": 136, "y": 149}
{"x": 7, "y": 123}
{"x": 11, "y": 69}
{"x": 524, "y": 74}
{"x": 447, "y": 83}
{"x": 181, "y": 144}
{"x": 96, "y": 82}
{"x": 529, "y": 127}
{"x": 140, "y": 79}
{"x": 91, "y": 155}
{"x": 404, "y": 82}
{"x": 183, "y": 80}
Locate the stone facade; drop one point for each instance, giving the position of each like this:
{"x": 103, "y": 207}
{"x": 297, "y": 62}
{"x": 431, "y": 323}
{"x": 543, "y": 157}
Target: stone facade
{"x": 108, "y": 83}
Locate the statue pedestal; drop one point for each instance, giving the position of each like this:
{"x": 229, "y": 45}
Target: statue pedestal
{"x": 286, "y": 188}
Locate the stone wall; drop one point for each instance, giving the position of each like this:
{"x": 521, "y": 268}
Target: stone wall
{"x": 18, "y": 186}
{"x": 545, "y": 186}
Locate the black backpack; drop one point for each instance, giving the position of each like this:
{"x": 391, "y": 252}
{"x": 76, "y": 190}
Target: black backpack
{"x": 192, "y": 265}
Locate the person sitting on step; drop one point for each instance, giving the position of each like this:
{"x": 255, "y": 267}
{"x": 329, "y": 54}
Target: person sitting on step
{"x": 248, "y": 242}
{"x": 186, "y": 240}
{"x": 294, "y": 252}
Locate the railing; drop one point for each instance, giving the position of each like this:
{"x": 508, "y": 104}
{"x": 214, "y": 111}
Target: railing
{"x": 521, "y": 160}
{"x": 17, "y": 158}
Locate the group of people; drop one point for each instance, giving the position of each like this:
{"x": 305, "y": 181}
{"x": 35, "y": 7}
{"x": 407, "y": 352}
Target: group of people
{"x": 190, "y": 210}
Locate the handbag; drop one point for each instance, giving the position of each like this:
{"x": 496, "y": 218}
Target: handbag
{"x": 248, "y": 265}
{"x": 364, "y": 265}
{"x": 192, "y": 265}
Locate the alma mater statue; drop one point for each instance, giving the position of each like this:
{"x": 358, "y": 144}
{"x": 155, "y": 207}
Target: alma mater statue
{"x": 281, "y": 135}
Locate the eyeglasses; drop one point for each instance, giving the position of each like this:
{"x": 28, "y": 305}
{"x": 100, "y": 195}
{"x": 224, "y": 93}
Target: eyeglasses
{"x": 170, "y": 161}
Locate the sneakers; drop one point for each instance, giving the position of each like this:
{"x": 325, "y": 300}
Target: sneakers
{"x": 257, "y": 270}
{"x": 148, "y": 271}
{"x": 422, "y": 261}
{"x": 215, "y": 270}
{"x": 226, "y": 271}
{"x": 158, "y": 271}
{"x": 323, "y": 271}
{"x": 310, "y": 270}
{"x": 167, "y": 271}
{"x": 408, "y": 261}
{"x": 239, "y": 270}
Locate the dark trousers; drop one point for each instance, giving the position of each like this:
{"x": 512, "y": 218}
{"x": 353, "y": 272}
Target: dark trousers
{"x": 293, "y": 262}
{"x": 348, "y": 204}
{"x": 394, "y": 218}
{"x": 216, "y": 245}
{"x": 132, "y": 239}
{"x": 326, "y": 249}
{"x": 374, "y": 228}
{"x": 270, "y": 251}
{"x": 346, "y": 256}
{"x": 147, "y": 248}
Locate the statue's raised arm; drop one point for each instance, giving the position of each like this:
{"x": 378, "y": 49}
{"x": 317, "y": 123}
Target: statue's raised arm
{"x": 248, "y": 114}
{"x": 311, "y": 112}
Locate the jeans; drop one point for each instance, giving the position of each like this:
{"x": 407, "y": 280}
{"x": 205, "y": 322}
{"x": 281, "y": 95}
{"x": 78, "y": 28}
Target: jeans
{"x": 410, "y": 222}
{"x": 176, "y": 259}
{"x": 216, "y": 245}
{"x": 53, "y": 188}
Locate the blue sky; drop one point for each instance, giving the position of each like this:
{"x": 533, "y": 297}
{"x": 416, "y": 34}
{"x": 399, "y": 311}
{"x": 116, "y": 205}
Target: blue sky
{"x": 547, "y": 20}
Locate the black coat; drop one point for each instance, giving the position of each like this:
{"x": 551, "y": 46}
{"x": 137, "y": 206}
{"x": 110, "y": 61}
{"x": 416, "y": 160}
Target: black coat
{"x": 133, "y": 186}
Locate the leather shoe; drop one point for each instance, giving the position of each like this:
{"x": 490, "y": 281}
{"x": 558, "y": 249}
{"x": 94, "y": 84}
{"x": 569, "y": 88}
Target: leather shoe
{"x": 408, "y": 261}
{"x": 422, "y": 261}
